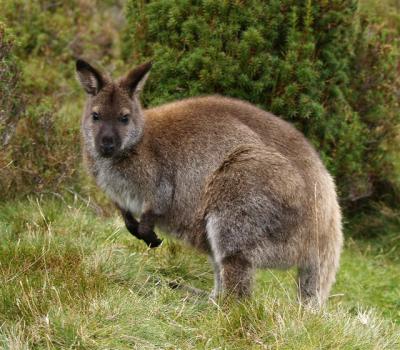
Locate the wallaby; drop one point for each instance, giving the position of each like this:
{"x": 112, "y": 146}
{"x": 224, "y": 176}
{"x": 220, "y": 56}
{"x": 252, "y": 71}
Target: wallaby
{"x": 230, "y": 179}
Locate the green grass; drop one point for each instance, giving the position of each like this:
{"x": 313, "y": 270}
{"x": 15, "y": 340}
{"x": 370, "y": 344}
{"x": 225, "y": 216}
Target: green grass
{"x": 72, "y": 280}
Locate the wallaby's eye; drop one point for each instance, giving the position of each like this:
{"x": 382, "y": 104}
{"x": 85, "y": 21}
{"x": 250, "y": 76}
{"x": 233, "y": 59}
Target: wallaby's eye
{"x": 124, "y": 119}
{"x": 95, "y": 116}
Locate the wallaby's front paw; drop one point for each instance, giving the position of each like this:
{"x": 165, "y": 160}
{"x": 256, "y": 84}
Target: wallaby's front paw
{"x": 154, "y": 243}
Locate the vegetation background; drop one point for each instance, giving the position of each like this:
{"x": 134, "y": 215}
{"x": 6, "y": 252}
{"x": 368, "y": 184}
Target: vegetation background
{"x": 70, "y": 274}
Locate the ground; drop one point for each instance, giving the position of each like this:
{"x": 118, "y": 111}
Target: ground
{"x": 71, "y": 279}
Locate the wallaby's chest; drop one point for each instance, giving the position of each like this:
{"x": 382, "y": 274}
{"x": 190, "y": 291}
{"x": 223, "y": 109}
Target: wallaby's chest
{"x": 119, "y": 187}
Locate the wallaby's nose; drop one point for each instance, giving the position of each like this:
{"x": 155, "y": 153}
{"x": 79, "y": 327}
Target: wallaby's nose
{"x": 107, "y": 145}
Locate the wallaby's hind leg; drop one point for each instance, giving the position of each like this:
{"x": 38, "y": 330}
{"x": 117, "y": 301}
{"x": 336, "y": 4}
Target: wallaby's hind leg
{"x": 233, "y": 270}
{"x": 237, "y": 275}
{"x": 309, "y": 286}
{"x": 217, "y": 279}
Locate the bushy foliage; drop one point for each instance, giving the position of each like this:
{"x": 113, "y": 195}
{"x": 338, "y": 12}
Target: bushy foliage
{"x": 10, "y": 99}
{"x": 320, "y": 64}
{"x": 44, "y": 153}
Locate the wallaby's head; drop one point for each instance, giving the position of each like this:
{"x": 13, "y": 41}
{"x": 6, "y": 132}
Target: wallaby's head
{"x": 113, "y": 120}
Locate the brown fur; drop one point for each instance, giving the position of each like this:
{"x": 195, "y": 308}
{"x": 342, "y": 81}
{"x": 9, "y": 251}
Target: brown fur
{"x": 230, "y": 179}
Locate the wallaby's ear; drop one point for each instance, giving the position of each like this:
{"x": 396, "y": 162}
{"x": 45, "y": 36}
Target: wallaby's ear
{"x": 134, "y": 81}
{"x": 91, "y": 80}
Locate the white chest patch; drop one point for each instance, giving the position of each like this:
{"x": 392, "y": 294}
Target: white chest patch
{"x": 118, "y": 188}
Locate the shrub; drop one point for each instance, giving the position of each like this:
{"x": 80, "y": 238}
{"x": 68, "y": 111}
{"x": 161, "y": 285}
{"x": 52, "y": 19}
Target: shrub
{"x": 10, "y": 101}
{"x": 322, "y": 65}
{"x": 44, "y": 154}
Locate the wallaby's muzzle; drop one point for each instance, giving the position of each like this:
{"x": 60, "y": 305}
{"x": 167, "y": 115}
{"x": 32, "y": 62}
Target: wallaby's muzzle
{"x": 107, "y": 141}
{"x": 107, "y": 147}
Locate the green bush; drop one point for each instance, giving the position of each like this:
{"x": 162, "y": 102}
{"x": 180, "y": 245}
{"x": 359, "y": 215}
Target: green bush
{"x": 322, "y": 65}
{"x": 10, "y": 99}
{"x": 44, "y": 154}
{"x": 38, "y": 156}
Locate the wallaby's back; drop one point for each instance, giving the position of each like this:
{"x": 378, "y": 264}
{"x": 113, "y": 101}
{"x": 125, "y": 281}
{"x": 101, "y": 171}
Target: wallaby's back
{"x": 216, "y": 114}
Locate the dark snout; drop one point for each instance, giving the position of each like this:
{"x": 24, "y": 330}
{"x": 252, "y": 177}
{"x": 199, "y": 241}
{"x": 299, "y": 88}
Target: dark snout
{"x": 107, "y": 146}
{"x": 108, "y": 143}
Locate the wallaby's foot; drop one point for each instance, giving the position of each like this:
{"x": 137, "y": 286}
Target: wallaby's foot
{"x": 215, "y": 294}
{"x": 186, "y": 288}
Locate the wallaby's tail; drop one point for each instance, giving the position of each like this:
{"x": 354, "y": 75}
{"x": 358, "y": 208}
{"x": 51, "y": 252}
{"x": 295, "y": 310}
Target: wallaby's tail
{"x": 330, "y": 256}
{"x": 318, "y": 272}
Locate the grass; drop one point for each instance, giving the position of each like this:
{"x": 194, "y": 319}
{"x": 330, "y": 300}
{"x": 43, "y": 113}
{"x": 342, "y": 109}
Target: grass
{"x": 72, "y": 280}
